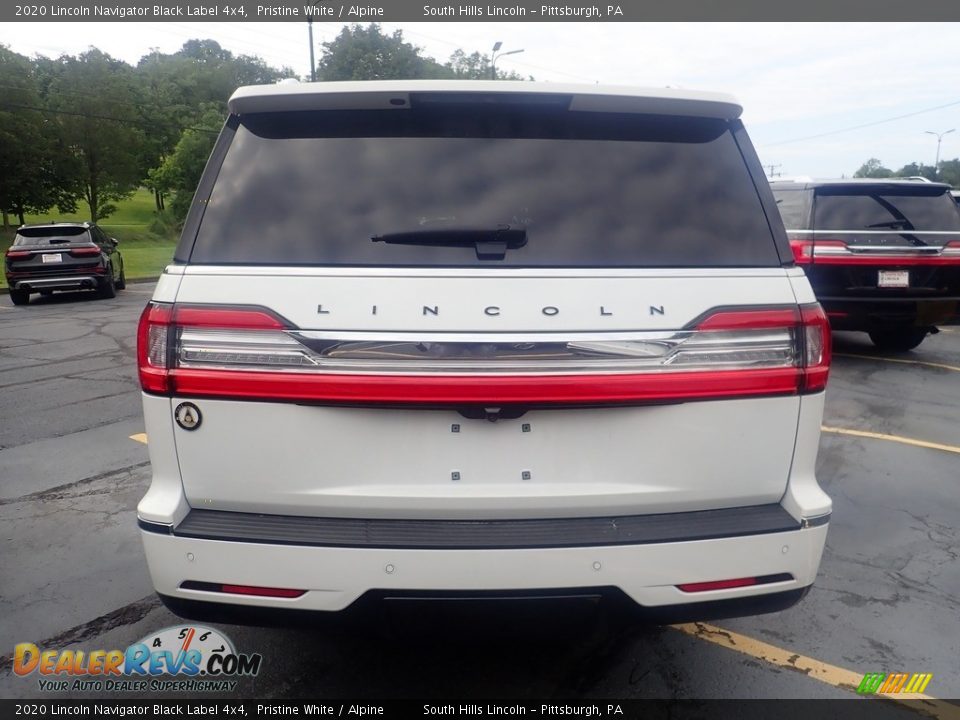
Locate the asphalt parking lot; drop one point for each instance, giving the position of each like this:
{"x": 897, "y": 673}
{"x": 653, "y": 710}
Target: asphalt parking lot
{"x": 887, "y": 598}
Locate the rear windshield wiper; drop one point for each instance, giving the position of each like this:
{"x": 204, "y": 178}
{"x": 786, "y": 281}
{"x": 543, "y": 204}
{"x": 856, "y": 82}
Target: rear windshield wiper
{"x": 490, "y": 243}
{"x": 898, "y": 223}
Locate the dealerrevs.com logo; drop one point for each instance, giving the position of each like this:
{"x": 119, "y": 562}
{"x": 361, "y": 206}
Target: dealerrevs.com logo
{"x": 185, "y": 658}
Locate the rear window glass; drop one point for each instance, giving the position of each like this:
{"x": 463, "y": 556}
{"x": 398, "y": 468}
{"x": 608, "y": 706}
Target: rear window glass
{"x": 882, "y": 209}
{"x": 794, "y": 207}
{"x": 587, "y": 189}
{"x": 51, "y": 235}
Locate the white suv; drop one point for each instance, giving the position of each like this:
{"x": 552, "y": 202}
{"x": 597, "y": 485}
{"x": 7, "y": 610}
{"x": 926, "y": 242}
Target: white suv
{"x": 456, "y": 337}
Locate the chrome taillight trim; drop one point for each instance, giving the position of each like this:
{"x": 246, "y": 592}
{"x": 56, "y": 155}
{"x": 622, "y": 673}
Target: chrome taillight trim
{"x": 549, "y": 353}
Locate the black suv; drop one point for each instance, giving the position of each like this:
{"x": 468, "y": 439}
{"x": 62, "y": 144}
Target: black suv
{"x": 63, "y": 256}
{"x": 883, "y": 256}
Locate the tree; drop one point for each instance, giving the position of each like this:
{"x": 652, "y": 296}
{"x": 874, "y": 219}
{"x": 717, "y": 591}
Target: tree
{"x": 469, "y": 67}
{"x": 100, "y": 127}
{"x": 476, "y": 66}
{"x": 181, "y": 170}
{"x": 915, "y": 169}
{"x": 179, "y": 88}
{"x": 950, "y": 172}
{"x": 28, "y": 181}
{"x": 366, "y": 53}
{"x": 873, "y": 168}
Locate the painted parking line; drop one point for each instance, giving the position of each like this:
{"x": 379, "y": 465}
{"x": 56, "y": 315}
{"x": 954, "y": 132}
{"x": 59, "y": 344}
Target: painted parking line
{"x": 140, "y": 438}
{"x": 891, "y": 438}
{"x": 833, "y": 675}
{"x": 942, "y": 366}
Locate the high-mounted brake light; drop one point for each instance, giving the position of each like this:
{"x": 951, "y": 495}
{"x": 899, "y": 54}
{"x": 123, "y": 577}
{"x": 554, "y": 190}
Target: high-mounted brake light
{"x": 251, "y": 353}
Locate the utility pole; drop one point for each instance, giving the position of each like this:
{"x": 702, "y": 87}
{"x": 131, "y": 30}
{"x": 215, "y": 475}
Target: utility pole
{"x": 771, "y": 167}
{"x": 313, "y": 64}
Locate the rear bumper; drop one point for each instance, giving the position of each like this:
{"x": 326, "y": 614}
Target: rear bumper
{"x": 362, "y": 609}
{"x": 336, "y": 577}
{"x": 846, "y": 313}
{"x": 34, "y": 284}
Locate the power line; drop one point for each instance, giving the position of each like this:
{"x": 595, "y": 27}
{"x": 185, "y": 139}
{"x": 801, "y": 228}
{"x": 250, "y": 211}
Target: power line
{"x": 864, "y": 125}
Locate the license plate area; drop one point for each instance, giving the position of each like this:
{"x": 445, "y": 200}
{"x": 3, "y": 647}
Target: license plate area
{"x": 893, "y": 278}
{"x": 405, "y": 463}
{"x": 51, "y": 257}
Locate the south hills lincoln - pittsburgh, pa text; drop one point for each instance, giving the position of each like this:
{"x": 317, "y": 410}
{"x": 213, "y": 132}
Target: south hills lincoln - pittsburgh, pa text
{"x": 585, "y": 12}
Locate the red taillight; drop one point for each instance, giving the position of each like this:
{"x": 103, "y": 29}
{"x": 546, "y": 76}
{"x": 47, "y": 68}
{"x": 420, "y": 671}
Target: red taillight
{"x": 239, "y": 318}
{"x": 84, "y": 252}
{"x": 486, "y": 390}
{"x": 804, "y": 250}
{"x": 816, "y": 348}
{"x": 813, "y": 336}
{"x": 823, "y": 251}
{"x": 17, "y": 254}
{"x": 251, "y": 353}
{"x": 159, "y": 323}
{"x": 152, "y": 347}
{"x": 750, "y": 319}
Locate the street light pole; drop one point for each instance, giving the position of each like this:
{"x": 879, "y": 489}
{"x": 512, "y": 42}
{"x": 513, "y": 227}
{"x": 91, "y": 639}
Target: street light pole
{"x": 313, "y": 64}
{"x": 936, "y": 163}
{"x": 493, "y": 63}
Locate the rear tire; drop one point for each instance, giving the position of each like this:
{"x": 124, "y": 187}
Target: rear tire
{"x": 108, "y": 288}
{"x": 19, "y": 297}
{"x": 898, "y": 340}
{"x": 122, "y": 281}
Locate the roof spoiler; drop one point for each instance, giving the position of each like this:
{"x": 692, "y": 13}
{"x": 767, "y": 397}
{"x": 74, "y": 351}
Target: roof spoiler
{"x": 400, "y": 94}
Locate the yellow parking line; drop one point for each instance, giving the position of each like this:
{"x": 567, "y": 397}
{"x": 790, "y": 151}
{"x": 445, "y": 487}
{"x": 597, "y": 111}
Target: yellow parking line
{"x": 140, "y": 437}
{"x": 824, "y": 672}
{"x": 891, "y": 438}
{"x": 942, "y": 366}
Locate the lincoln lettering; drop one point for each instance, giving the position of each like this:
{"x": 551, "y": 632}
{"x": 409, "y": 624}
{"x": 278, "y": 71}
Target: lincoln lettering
{"x": 495, "y": 310}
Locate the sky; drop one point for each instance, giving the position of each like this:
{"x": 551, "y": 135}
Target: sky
{"x": 819, "y": 98}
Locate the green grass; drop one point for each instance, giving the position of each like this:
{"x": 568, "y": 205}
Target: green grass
{"x": 145, "y": 253}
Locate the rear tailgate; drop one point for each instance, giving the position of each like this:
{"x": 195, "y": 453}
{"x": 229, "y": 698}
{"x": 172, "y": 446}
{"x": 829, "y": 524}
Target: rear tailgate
{"x": 422, "y": 456}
